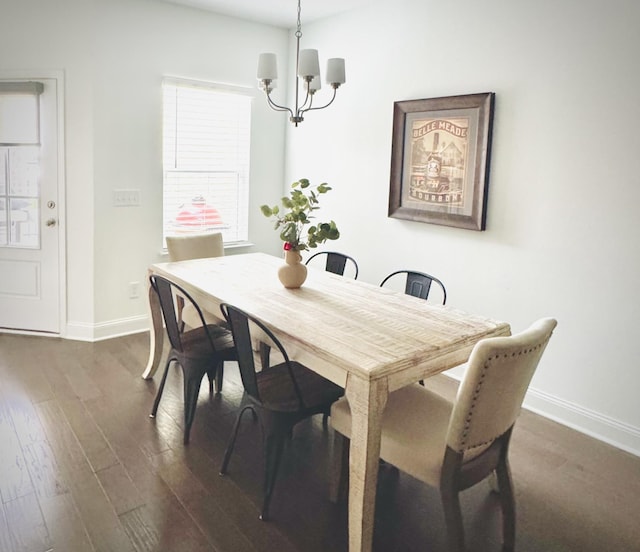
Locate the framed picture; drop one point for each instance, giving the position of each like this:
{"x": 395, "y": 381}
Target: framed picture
{"x": 440, "y": 160}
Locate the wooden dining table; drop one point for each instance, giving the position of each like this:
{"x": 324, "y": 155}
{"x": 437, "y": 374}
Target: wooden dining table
{"x": 367, "y": 339}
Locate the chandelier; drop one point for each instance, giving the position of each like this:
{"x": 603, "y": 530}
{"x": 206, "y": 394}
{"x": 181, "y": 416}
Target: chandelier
{"x": 307, "y": 69}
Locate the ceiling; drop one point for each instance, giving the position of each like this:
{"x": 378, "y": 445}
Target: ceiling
{"x": 281, "y": 13}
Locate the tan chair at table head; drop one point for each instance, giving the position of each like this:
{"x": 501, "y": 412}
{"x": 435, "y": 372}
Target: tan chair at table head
{"x": 195, "y": 246}
{"x": 454, "y": 445}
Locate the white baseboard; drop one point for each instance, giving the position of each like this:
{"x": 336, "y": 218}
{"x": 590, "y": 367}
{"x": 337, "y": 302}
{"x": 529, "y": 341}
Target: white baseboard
{"x": 107, "y": 330}
{"x": 598, "y": 426}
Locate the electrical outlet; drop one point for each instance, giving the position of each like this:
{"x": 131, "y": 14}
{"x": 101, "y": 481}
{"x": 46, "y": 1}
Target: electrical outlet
{"x": 134, "y": 290}
{"x": 126, "y": 198}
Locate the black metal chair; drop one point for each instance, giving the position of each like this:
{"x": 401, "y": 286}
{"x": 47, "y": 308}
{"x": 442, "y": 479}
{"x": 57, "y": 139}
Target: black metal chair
{"x": 198, "y": 351}
{"x": 418, "y": 284}
{"x": 336, "y": 262}
{"x": 279, "y": 396}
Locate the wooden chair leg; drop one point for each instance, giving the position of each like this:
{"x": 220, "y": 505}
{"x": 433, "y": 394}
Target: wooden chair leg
{"x": 453, "y": 517}
{"x": 507, "y": 501}
{"x": 339, "y": 477}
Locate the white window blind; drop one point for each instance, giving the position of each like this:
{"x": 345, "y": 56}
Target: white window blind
{"x": 20, "y": 112}
{"x": 20, "y": 164}
{"x": 206, "y": 140}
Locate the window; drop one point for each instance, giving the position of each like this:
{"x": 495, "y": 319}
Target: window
{"x": 206, "y": 138}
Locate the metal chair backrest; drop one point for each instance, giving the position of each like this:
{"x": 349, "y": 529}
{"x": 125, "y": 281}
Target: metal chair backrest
{"x": 418, "y": 284}
{"x": 239, "y": 323}
{"x": 167, "y": 292}
{"x": 336, "y": 262}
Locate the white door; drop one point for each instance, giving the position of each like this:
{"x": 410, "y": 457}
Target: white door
{"x": 29, "y": 225}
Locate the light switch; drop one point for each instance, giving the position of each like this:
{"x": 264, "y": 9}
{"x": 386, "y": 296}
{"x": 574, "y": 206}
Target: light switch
{"x": 126, "y": 198}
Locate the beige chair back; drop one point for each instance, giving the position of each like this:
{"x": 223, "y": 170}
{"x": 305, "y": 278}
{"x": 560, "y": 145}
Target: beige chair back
{"x": 195, "y": 246}
{"x": 491, "y": 394}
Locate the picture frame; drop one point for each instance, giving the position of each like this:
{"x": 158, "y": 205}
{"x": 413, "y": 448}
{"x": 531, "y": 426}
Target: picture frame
{"x": 440, "y": 154}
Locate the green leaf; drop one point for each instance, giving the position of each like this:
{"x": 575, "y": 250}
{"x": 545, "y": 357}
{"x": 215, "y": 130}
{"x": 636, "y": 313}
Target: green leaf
{"x": 296, "y": 213}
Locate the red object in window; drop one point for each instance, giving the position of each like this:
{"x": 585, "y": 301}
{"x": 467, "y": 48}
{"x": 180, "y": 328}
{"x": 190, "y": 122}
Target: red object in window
{"x": 199, "y": 216}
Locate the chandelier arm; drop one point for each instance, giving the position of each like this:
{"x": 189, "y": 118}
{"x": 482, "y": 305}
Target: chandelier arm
{"x": 273, "y": 105}
{"x": 323, "y": 106}
{"x": 304, "y": 107}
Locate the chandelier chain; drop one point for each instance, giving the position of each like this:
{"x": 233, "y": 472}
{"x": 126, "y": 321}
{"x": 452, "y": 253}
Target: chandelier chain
{"x": 299, "y": 27}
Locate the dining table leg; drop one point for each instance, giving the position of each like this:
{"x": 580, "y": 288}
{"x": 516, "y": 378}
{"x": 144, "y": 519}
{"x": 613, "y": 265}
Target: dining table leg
{"x": 367, "y": 399}
{"x": 156, "y": 335}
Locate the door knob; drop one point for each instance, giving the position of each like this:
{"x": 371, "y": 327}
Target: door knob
{"x": 51, "y": 222}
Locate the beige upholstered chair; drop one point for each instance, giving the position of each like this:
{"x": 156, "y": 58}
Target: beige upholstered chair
{"x": 453, "y": 446}
{"x": 195, "y": 246}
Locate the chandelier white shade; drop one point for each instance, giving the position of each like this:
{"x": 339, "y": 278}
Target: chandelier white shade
{"x": 307, "y": 69}
{"x": 267, "y": 67}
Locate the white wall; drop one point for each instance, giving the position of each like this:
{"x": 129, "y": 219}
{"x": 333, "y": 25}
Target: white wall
{"x": 562, "y": 227}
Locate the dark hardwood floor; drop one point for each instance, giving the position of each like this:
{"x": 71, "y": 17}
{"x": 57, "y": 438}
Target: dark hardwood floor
{"x": 83, "y": 468}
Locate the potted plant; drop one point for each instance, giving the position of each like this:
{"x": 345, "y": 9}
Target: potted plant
{"x": 298, "y": 231}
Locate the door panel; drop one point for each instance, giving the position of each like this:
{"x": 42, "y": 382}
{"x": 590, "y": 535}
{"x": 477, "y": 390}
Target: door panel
{"x": 29, "y": 229}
